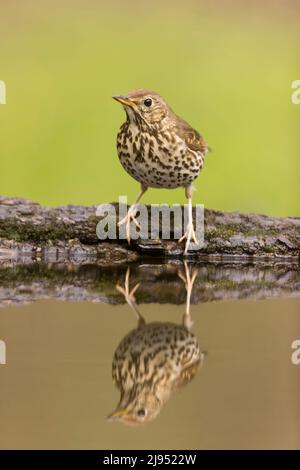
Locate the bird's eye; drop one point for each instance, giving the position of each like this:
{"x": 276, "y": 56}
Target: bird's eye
{"x": 141, "y": 412}
{"x": 148, "y": 102}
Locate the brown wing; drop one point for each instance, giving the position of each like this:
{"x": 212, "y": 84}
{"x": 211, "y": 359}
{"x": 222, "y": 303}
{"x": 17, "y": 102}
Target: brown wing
{"x": 188, "y": 374}
{"x": 192, "y": 138}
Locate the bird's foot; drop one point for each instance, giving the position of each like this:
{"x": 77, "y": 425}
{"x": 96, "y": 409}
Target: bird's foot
{"x": 129, "y": 217}
{"x": 188, "y": 277}
{"x": 190, "y": 235}
{"x": 130, "y": 297}
{"x": 128, "y": 294}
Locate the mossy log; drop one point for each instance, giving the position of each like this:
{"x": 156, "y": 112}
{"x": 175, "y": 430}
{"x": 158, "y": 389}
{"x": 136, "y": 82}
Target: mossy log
{"x": 68, "y": 233}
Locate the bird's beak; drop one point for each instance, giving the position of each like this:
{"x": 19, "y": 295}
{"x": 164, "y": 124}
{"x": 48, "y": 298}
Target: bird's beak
{"x": 123, "y": 99}
{"x": 117, "y": 414}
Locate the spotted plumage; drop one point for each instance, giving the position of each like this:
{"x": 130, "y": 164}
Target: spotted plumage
{"x": 158, "y": 148}
{"x": 150, "y": 363}
{"x": 153, "y": 360}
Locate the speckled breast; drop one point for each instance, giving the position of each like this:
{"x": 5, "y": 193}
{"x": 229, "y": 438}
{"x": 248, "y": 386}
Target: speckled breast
{"x": 153, "y": 349}
{"x": 157, "y": 160}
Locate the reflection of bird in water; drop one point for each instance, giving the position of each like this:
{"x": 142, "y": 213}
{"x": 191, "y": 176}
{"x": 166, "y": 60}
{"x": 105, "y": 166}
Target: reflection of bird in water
{"x": 153, "y": 360}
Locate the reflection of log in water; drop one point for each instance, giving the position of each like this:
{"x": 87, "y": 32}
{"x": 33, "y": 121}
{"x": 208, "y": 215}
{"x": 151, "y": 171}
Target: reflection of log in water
{"x": 159, "y": 282}
{"x": 153, "y": 361}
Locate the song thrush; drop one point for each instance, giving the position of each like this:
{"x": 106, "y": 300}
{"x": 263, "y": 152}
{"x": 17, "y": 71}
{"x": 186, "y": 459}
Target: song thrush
{"x": 159, "y": 150}
{"x": 153, "y": 360}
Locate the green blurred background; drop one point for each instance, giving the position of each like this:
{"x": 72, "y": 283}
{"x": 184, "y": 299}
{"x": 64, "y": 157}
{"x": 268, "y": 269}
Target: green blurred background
{"x": 226, "y": 67}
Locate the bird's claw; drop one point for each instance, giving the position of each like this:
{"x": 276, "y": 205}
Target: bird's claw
{"x": 188, "y": 278}
{"x": 129, "y": 217}
{"x": 130, "y": 297}
{"x": 189, "y": 235}
{"x": 128, "y": 294}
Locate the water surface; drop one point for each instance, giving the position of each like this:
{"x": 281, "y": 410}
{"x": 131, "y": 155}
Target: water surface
{"x": 57, "y": 389}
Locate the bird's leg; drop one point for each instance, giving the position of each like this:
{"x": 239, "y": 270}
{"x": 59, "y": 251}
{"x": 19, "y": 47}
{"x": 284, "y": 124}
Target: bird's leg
{"x": 130, "y": 216}
{"x": 130, "y": 298}
{"x": 190, "y": 231}
{"x": 188, "y": 279}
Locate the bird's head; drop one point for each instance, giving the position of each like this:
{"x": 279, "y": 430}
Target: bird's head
{"x": 140, "y": 410}
{"x": 144, "y": 106}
